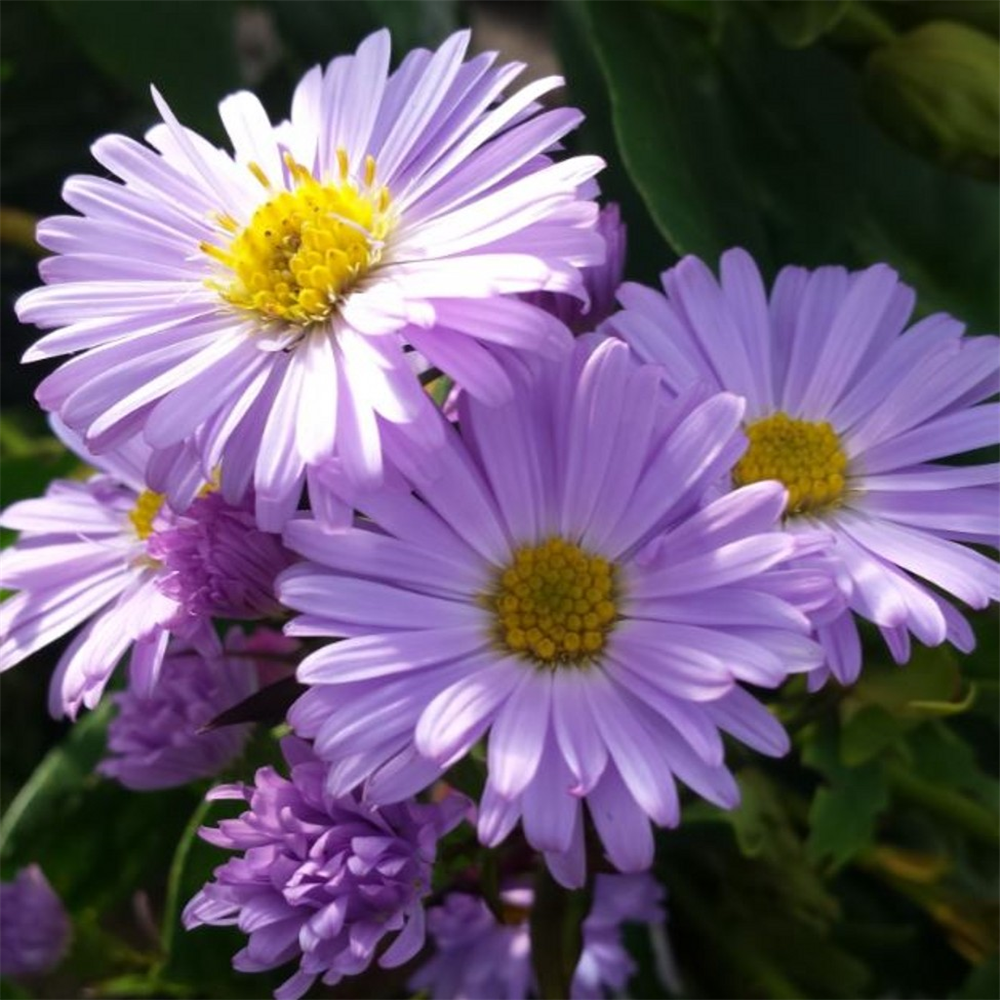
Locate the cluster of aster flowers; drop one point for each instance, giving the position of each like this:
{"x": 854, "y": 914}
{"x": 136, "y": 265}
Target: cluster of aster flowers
{"x": 633, "y": 509}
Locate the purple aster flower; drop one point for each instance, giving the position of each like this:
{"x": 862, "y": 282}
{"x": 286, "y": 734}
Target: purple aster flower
{"x": 215, "y": 561}
{"x": 852, "y": 414}
{"x": 517, "y": 594}
{"x": 110, "y": 553}
{"x": 155, "y": 740}
{"x": 481, "y": 958}
{"x": 321, "y": 879}
{"x": 257, "y": 306}
{"x": 601, "y": 281}
{"x": 34, "y": 927}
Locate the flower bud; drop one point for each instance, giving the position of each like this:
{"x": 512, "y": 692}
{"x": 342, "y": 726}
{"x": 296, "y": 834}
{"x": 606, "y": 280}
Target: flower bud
{"x": 935, "y": 90}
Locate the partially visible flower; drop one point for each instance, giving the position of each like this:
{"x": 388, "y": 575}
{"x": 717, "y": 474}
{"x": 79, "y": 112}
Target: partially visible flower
{"x": 321, "y": 880}
{"x": 852, "y": 413}
{"x": 155, "y": 739}
{"x": 516, "y": 596}
{"x": 600, "y": 281}
{"x": 34, "y": 927}
{"x": 216, "y": 562}
{"x": 258, "y": 306}
{"x": 111, "y": 555}
{"x": 480, "y": 958}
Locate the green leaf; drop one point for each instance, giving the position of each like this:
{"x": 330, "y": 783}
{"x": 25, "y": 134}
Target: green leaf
{"x": 796, "y": 25}
{"x": 843, "y": 812}
{"x": 676, "y": 128}
{"x": 202, "y": 958}
{"x": 86, "y": 831}
{"x": 188, "y": 50}
{"x": 866, "y": 733}
{"x": 317, "y": 32}
{"x": 928, "y": 685}
{"x": 647, "y": 254}
{"x": 983, "y": 982}
{"x": 743, "y": 142}
{"x": 12, "y": 991}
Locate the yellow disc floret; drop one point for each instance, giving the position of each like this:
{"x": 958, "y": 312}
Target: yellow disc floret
{"x": 144, "y": 513}
{"x": 306, "y": 247}
{"x": 554, "y": 604}
{"x": 804, "y": 455}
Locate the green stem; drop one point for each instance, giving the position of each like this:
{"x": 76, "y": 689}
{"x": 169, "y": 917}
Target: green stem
{"x": 976, "y": 821}
{"x": 556, "y": 935}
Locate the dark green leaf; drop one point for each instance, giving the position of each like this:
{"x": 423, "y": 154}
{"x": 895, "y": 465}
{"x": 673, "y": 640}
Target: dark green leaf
{"x": 202, "y": 957}
{"x": 676, "y": 128}
{"x": 317, "y": 32}
{"x": 844, "y": 812}
{"x": 188, "y": 50}
{"x": 799, "y": 24}
{"x": 747, "y": 143}
{"x": 95, "y": 840}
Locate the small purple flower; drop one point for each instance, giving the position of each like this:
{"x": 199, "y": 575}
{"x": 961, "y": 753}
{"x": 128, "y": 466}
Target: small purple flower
{"x": 259, "y": 306}
{"x": 322, "y": 879}
{"x": 109, "y": 554}
{"x": 34, "y": 927}
{"x": 155, "y": 739}
{"x": 853, "y": 412}
{"x": 480, "y": 958}
{"x": 217, "y": 563}
{"x": 559, "y": 585}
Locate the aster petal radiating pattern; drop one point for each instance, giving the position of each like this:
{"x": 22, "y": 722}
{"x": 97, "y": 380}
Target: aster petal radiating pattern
{"x": 520, "y": 596}
{"x": 858, "y": 414}
{"x": 256, "y": 308}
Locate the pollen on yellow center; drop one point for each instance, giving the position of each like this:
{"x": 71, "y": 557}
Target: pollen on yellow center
{"x": 144, "y": 513}
{"x": 804, "y": 455}
{"x": 554, "y": 603}
{"x": 307, "y": 246}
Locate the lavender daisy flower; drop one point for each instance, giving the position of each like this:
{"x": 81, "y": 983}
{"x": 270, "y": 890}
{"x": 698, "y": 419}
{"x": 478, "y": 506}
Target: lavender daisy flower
{"x": 480, "y": 958}
{"x": 518, "y": 595}
{"x": 321, "y": 879}
{"x": 257, "y": 306}
{"x": 852, "y": 414}
{"x": 155, "y": 740}
{"x": 34, "y": 927}
{"x": 109, "y": 554}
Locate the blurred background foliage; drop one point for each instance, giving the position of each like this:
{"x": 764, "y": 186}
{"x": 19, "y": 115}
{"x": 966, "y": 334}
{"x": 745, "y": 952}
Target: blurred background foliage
{"x": 809, "y": 132}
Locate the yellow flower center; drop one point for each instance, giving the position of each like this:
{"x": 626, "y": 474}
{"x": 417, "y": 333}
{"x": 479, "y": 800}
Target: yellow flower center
{"x": 305, "y": 248}
{"x": 144, "y": 513}
{"x": 803, "y": 455}
{"x": 554, "y": 604}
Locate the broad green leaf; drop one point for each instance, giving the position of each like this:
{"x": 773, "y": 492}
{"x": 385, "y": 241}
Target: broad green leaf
{"x": 676, "y": 128}
{"x": 647, "y": 254}
{"x": 744, "y": 142}
{"x": 202, "y": 958}
{"x": 188, "y": 50}
{"x": 96, "y": 841}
